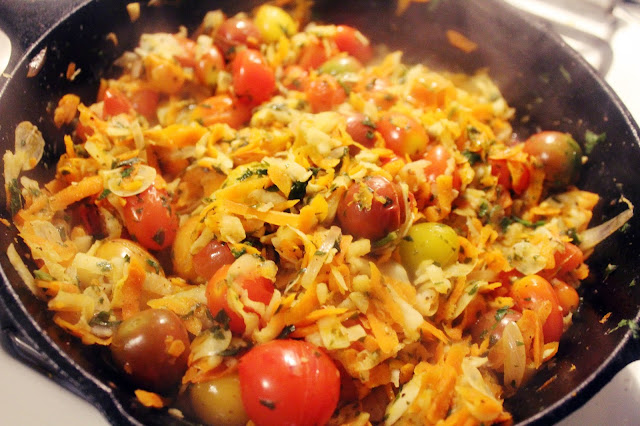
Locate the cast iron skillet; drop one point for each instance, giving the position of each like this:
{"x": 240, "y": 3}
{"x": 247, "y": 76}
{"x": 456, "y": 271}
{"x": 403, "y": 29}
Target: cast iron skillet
{"x": 549, "y": 84}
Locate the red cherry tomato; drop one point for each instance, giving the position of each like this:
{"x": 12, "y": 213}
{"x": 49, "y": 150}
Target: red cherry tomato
{"x": 530, "y": 292}
{"x": 237, "y": 32}
{"x": 145, "y": 102}
{"x": 560, "y": 155}
{"x": 371, "y": 209}
{"x": 402, "y": 134}
{"x": 115, "y": 102}
{"x": 259, "y": 289}
{"x": 350, "y": 40}
{"x": 492, "y": 323}
{"x": 377, "y": 90}
{"x": 324, "y": 93}
{"x": 312, "y": 55}
{"x": 438, "y": 158}
{"x": 361, "y": 129}
{"x": 186, "y": 58}
{"x": 212, "y": 257}
{"x": 222, "y": 109}
{"x": 149, "y": 218}
{"x": 253, "y": 79}
{"x": 208, "y": 66}
{"x": 568, "y": 259}
{"x": 288, "y": 382}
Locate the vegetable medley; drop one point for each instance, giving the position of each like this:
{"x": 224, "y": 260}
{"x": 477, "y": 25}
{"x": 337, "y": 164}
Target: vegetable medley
{"x": 272, "y": 221}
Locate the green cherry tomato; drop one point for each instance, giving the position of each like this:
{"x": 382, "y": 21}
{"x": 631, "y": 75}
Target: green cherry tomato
{"x": 218, "y": 402}
{"x": 429, "y": 240}
{"x": 340, "y": 65}
{"x": 560, "y": 155}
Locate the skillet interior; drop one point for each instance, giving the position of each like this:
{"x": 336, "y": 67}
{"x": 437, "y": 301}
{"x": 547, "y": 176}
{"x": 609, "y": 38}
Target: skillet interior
{"x": 551, "y": 87}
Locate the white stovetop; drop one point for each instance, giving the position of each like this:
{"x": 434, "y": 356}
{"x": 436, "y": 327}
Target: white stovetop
{"x": 28, "y": 398}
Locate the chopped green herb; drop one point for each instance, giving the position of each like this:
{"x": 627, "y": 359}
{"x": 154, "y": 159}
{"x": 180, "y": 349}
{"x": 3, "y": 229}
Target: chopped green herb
{"x": 158, "y": 237}
{"x": 500, "y": 313}
{"x": 222, "y": 318}
{"x": 154, "y": 265}
{"x": 632, "y": 283}
{"x": 268, "y": 403}
{"x": 105, "y": 192}
{"x": 286, "y": 331}
{"x": 573, "y": 234}
{"x": 633, "y": 326}
{"x": 591, "y": 140}
{"x": 472, "y": 157}
{"x": 237, "y": 253}
{"x": 298, "y": 190}
{"x": 528, "y": 223}
{"x": 41, "y": 275}
{"x": 15, "y": 197}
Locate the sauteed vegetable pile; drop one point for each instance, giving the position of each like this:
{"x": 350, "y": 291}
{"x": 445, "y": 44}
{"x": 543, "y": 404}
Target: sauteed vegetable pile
{"x": 275, "y": 221}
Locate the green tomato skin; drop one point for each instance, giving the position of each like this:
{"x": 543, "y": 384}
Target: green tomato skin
{"x": 560, "y": 156}
{"x": 219, "y": 402}
{"x": 429, "y": 241}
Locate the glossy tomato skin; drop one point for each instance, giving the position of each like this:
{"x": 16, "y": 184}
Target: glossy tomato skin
{"x": 361, "y": 129}
{"x": 348, "y": 40}
{"x": 288, "y": 382}
{"x": 150, "y": 220}
{"x": 235, "y": 32}
{"x": 529, "y": 292}
{"x": 371, "y": 209}
{"x": 253, "y": 79}
{"x": 152, "y": 348}
{"x": 212, "y": 257}
{"x": 560, "y": 155}
{"x": 207, "y": 68}
{"x": 402, "y": 134}
{"x": 115, "y": 102}
{"x": 259, "y": 289}
{"x": 145, "y": 102}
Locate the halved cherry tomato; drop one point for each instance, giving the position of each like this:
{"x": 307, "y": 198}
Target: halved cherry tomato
{"x": 259, "y": 289}
{"x": 568, "y": 259}
{"x": 236, "y": 32}
{"x": 253, "y": 79}
{"x": 208, "y": 66}
{"x": 350, "y": 40}
{"x": 324, "y": 93}
{"x": 115, "y": 102}
{"x": 212, "y": 257}
{"x": 145, "y": 102}
{"x": 149, "y": 218}
{"x": 530, "y": 292}
{"x": 371, "y": 209}
{"x": 438, "y": 158}
{"x": 403, "y": 134}
{"x": 361, "y": 129}
{"x": 288, "y": 382}
{"x": 222, "y": 109}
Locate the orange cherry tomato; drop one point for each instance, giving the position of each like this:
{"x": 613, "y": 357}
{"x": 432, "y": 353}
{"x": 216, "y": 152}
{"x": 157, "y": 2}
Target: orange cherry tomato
{"x": 324, "y": 93}
{"x": 530, "y": 292}
{"x": 376, "y": 90}
{"x": 567, "y": 296}
{"x": 568, "y": 259}
{"x": 222, "y": 109}
{"x": 295, "y": 78}
{"x": 115, "y": 102}
{"x": 361, "y": 129}
{"x": 350, "y": 40}
{"x": 253, "y": 79}
{"x": 150, "y": 220}
{"x": 402, "y": 134}
{"x": 259, "y": 289}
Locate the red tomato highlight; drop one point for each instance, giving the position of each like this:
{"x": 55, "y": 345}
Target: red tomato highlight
{"x": 211, "y": 258}
{"x": 288, "y": 382}
{"x": 530, "y": 292}
{"x": 350, "y": 40}
{"x": 115, "y": 102}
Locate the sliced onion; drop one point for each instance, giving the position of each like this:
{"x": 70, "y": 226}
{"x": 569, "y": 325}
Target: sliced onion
{"x": 29, "y": 144}
{"x": 137, "y": 182}
{"x": 593, "y": 236}
{"x": 314, "y": 266}
{"x": 514, "y": 355}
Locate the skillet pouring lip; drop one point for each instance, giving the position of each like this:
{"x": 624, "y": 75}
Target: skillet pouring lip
{"x": 529, "y": 64}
